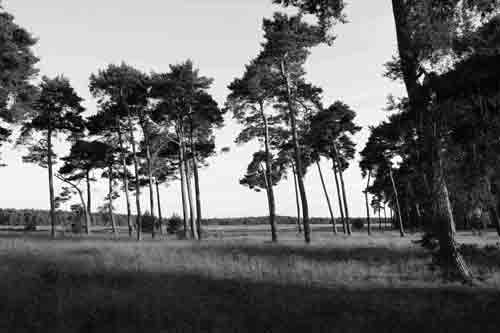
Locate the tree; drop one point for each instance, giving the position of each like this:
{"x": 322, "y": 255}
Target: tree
{"x": 84, "y": 157}
{"x": 126, "y": 88}
{"x": 248, "y": 100}
{"x": 16, "y": 72}
{"x": 330, "y": 135}
{"x": 288, "y": 41}
{"x": 56, "y": 110}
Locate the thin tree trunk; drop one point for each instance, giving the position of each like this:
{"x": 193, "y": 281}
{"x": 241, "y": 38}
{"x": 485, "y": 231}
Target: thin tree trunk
{"x": 368, "y": 205}
{"x": 344, "y": 196}
{"x": 269, "y": 178}
{"x": 298, "y": 156}
{"x": 150, "y": 181}
{"x": 379, "y": 219}
{"x": 125, "y": 179}
{"x": 339, "y": 196}
{"x": 263, "y": 171}
{"x": 332, "y": 219}
{"x": 297, "y": 200}
{"x": 385, "y": 217}
{"x": 160, "y": 218}
{"x": 89, "y": 207}
{"x": 194, "y": 233}
{"x": 136, "y": 171}
{"x": 111, "y": 215}
{"x": 183, "y": 187}
{"x": 51, "y": 184}
{"x": 197, "y": 193}
{"x": 400, "y": 220}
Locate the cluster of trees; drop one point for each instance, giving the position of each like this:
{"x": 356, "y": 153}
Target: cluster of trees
{"x": 149, "y": 129}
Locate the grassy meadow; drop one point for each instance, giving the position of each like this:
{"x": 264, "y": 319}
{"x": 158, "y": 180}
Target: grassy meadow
{"x": 239, "y": 282}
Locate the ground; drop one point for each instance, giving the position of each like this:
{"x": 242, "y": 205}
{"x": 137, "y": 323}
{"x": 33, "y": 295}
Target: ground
{"x": 236, "y": 281}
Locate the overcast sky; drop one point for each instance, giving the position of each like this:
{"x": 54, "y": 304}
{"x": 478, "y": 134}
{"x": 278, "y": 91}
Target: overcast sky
{"x": 76, "y": 38}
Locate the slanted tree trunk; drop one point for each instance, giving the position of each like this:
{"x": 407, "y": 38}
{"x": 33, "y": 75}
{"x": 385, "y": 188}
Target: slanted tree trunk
{"x": 160, "y": 218}
{"x": 183, "y": 185}
{"x": 297, "y": 200}
{"x": 332, "y": 219}
{"x": 339, "y": 196}
{"x": 136, "y": 171}
{"x": 51, "y": 183}
{"x": 110, "y": 184}
{"x": 368, "y": 205}
{"x": 398, "y": 207}
{"x": 150, "y": 180}
{"x": 89, "y": 207}
{"x": 196, "y": 176}
{"x": 298, "y": 154}
{"x": 125, "y": 179}
{"x": 269, "y": 178}
{"x": 263, "y": 171}
{"x": 344, "y": 196}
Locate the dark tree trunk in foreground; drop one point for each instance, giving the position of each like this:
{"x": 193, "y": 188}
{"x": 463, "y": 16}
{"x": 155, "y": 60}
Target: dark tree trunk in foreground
{"x": 368, "y": 205}
{"x": 269, "y": 180}
{"x": 110, "y": 185}
{"x": 51, "y": 184}
{"x": 398, "y": 207}
{"x": 298, "y": 155}
{"x": 197, "y": 193}
{"x": 150, "y": 180}
{"x": 332, "y": 219}
{"x": 344, "y": 196}
{"x": 137, "y": 184}
{"x": 192, "y": 225}
{"x": 274, "y": 234}
{"x": 297, "y": 199}
{"x": 160, "y": 218}
{"x": 339, "y": 196}
{"x": 89, "y": 206}
{"x": 125, "y": 179}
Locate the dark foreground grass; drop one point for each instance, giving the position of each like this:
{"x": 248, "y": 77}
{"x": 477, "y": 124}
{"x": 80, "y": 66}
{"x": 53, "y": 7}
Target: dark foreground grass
{"x": 104, "y": 286}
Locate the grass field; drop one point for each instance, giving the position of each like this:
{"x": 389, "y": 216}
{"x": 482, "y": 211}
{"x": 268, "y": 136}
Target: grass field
{"x": 238, "y": 282}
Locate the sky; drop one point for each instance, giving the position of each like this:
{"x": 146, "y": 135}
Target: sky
{"x": 77, "y": 38}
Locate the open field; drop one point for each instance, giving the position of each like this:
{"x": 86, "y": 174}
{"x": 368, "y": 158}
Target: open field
{"x": 240, "y": 284}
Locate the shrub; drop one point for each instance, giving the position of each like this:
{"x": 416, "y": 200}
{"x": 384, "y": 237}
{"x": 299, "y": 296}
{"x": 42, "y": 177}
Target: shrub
{"x": 174, "y": 225}
{"x": 358, "y": 224}
{"x": 148, "y": 221}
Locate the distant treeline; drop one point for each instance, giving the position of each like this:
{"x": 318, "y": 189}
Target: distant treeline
{"x": 38, "y": 217}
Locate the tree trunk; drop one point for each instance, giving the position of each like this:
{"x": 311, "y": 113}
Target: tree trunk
{"x": 339, "y": 196}
{"x": 344, "y": 196}
{"x": 385, "y": 218}
{"x": 160, "y": 218}
{"x": 263, "y": 171}
{"x": 297, "y": 200}
{"x": 194, "y": 233}
{"x": 368, "y": 205}
{"x": 125, "y": 179}
{"x": 51, "y": 184}
{"x": 196, "y": 175}
{"x": 183, "y": 187}
{"x": 269, "y": 178}
{"x": 150, "y": 182}
{"x": 396, "y": 196}
{"x": 89, "y": 207}
{"x": 298, "y": 155}
{"x": 136, "y": 171}
{"x": 111, "y": 215}
{"x": 332, "y": 219}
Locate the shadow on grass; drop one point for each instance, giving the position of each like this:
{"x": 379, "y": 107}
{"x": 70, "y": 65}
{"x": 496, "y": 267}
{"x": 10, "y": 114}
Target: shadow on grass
{"x": 44, "y": 296}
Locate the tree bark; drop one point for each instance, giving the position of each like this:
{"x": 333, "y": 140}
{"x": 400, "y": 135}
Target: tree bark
{"x": 298, "y": 155}
{"x": 332, "y": 218}
{"x": 368, "y": 205}
{"x": 160, "y": 218}
{"x": 197, "y": 193}
{"x": 263, "y": 171}
{"x": 269, "y": 177}
{"x": 339, "y": 196}
{"x": 137, "y": 184}
{"x": 51, "y": 183}
{"x": 89, "y": 206}
{"x": 398, "y": 207}
{"x": 125, "y": 179}
{"x": 192, "y": 225}
{"x": 111, "y": 215}
{"x": 297, "y": 199}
